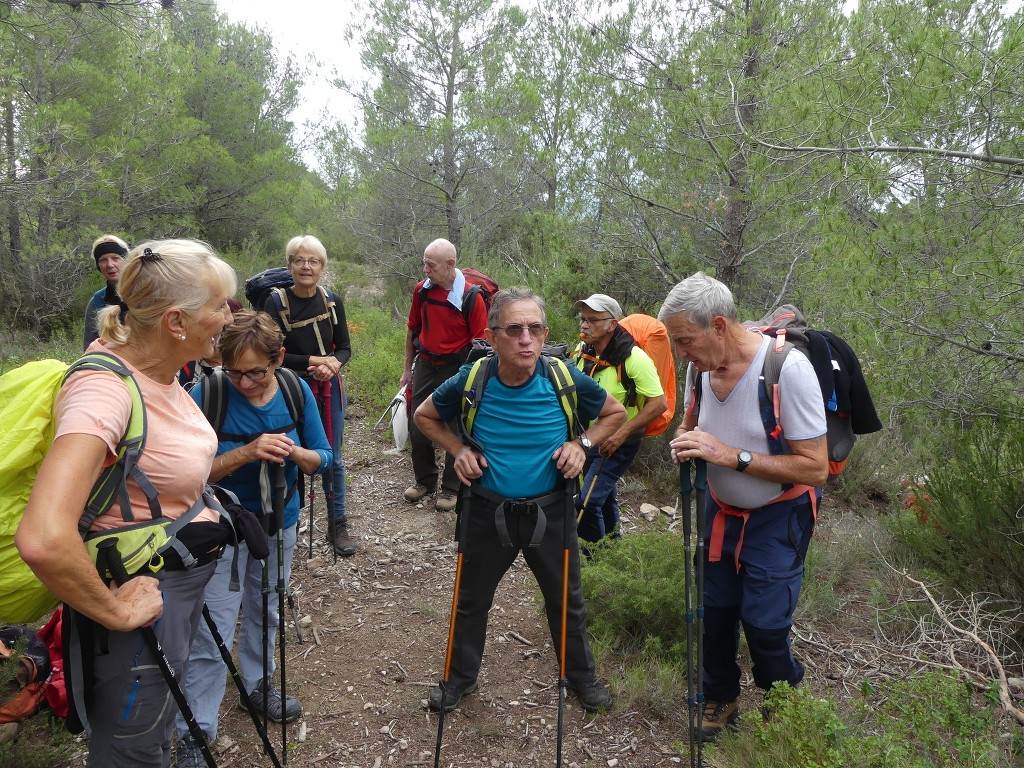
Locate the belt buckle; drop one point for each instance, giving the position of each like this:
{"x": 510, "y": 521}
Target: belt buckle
{"x": 522, "y": 507}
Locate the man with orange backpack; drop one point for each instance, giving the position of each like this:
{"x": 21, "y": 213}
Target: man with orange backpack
{"x": 610, "y": 355}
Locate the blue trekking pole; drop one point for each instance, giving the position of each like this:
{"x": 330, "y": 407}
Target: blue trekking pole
{"x": 686, "y": 494}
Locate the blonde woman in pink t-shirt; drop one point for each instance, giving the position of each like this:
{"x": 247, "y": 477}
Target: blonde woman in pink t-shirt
{"x": 176, "y": 292}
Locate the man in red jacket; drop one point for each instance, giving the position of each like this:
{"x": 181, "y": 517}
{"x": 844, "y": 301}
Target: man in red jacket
{"x": 437, "y": 343}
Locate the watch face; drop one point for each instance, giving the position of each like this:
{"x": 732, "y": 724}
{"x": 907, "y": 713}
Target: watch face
{"x": 743, "y": 459}
{"x": 585, "y": 441}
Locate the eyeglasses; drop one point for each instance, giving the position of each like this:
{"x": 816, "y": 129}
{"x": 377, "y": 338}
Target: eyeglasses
{"x": 515, "y": 330}
{"x": 306, "y": 262}
{"x": 591, "y": 320}
{"x": 255, "y": 375}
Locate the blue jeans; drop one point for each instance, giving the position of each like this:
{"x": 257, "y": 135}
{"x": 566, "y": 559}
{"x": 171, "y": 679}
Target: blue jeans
{"x": 207, "y": 675}
{"x": 600, "y": 478}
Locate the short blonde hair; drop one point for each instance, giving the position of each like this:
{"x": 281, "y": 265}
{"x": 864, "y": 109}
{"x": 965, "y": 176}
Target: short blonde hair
{"x": 305, "y": 243}
{"x": 149, "y": 287}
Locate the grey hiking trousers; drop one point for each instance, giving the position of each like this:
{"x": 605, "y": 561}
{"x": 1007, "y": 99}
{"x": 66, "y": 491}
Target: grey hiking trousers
{"x": 131, "y": 711}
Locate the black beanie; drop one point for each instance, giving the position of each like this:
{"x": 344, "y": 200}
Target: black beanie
{"x": 108, "y": 246}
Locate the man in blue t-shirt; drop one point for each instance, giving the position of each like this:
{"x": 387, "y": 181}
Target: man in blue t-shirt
{"x": 515, "y": 497}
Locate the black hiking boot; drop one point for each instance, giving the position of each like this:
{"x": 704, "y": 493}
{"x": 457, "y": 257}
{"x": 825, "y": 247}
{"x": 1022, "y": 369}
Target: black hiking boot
{"x": 339, "y": 538}
{"x": 716, "y": 716}
{"x": 452, "y": 696}
{"x": 187, "y": 753}
{"x": 594, "y": 695}
{"x": 290, "y": 710}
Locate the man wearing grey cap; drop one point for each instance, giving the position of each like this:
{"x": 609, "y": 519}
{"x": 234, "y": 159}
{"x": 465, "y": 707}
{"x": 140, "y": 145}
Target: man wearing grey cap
{"x": 608, "y": 354}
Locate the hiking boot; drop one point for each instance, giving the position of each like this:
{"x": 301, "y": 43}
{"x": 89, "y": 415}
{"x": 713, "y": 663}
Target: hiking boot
{"x": 452, "y": 696}
{"x": 292, "y": 709}
{"x": 445, "y": 502}
{"x": 339, "y": 538}
{"x": 594, "y": 695}
{"x": 187, "y": 753}
{"x": 717, "y": 715}
{"x": 416, "y": 493}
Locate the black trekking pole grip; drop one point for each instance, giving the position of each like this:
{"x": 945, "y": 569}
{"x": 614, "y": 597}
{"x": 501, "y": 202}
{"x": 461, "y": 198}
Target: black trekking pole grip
{"x": 108, "y": 559}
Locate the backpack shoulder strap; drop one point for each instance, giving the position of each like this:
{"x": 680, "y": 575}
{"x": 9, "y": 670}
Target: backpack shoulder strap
{"x": 473, "y": 392}
{"x": 280, "y": 298}
{"x": 213, "y": 399}
{"x": 294, "y": 397}
{"x": 768, "y": 396}
{"x": 330, "y": 305}
{"x": 469, "y": 299}
{"x": 565, "y": 389}
{"x": 112, "y": 482}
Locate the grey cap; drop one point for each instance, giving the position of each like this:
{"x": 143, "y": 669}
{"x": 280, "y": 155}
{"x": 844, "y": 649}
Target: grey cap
{"x": 601, "y": 302}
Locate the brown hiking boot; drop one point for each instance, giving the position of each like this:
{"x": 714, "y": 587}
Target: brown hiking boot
{"x": 717, "y": 715}
{"x": 338, "y": 537}
{"x": 445, "y": 501}
{"x": 416, "y": 493}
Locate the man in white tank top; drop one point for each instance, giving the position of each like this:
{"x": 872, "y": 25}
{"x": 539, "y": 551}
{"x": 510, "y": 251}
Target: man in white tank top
{"x": 763, "y": 493}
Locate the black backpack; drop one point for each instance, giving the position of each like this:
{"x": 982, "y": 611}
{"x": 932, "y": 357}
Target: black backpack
{"x": 259, "y": 286}
{"x": 849, "y": 409}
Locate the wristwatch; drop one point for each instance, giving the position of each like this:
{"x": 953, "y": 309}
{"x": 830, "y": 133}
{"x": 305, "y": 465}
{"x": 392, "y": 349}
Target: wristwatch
{"x": 585, "y": 441}
{"x": 743, "y": 460}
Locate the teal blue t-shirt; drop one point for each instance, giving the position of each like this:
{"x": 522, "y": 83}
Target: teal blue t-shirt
{"x": 520, "y": 428}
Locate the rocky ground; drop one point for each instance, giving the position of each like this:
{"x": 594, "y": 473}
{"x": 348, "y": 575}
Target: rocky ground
{"x": 374, "y": 631}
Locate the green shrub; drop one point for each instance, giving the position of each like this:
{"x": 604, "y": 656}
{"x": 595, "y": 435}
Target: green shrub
{"x": 378, "y": 357}
{"x": 634, "y": 593}
{"x": 967, "y": 525}
{"x": 927, "y": 721}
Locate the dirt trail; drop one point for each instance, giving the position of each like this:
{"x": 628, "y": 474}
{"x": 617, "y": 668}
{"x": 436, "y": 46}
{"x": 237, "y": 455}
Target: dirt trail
{"x": 381, "y": 619}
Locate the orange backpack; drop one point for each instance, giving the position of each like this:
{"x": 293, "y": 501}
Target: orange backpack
{"x": 651, "y": 336}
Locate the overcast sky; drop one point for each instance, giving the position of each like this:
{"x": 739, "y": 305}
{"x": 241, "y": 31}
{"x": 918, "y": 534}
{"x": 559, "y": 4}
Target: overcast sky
{"x": 303, "y": 27}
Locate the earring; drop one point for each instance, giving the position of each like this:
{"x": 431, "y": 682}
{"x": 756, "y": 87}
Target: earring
{"x": 181, "y": 336}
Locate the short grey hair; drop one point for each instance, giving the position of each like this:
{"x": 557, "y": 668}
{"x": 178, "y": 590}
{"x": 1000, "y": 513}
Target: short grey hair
{"x": 702, "y": 298}
{"x": 505, "y": 297}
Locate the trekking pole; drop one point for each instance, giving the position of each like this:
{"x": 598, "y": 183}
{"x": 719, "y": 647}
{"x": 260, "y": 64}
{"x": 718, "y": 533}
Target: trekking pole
{"x": 294, "y": 611}
{"x": 108, "y": 558}
{"x": 686, "y": 492}
{"x": 279, "y": 492}
{"x": 563, "y": 683}
{"x": 590, "y": 490}
{"x": 265, "y": 592}
{"x": 460, "y": 538}
{"x": 225, "y": 654}
{"x": 329, "y": 474}
{"x": 700, "y": 483}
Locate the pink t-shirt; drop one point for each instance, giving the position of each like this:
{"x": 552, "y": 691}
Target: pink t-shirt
{"x": 180, "y": 443}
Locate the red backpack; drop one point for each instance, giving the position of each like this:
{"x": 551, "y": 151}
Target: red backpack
{"x": 477, "y": 285}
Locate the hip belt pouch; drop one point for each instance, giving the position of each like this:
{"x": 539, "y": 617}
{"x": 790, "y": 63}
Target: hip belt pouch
{"x": 140, "y": 545}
